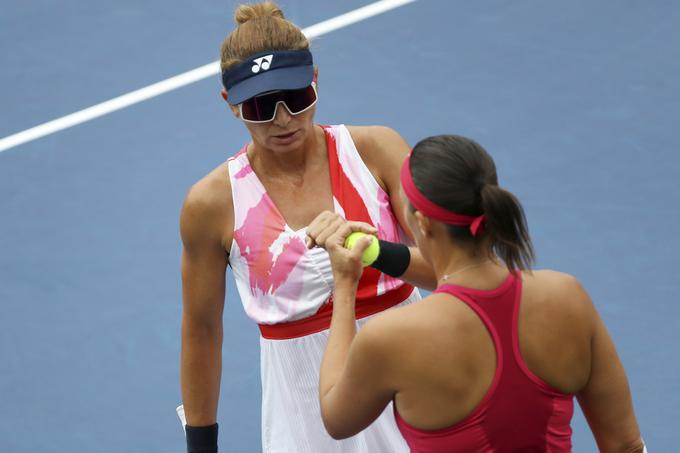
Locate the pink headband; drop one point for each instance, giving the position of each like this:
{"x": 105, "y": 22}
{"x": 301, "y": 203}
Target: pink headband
{"x": 433, "y": 210}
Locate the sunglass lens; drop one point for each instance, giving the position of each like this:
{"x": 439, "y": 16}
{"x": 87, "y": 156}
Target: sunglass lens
{"x": 263, "y": 108}
{"x": 260, "y": 108}
{"x": 299, "y": 100}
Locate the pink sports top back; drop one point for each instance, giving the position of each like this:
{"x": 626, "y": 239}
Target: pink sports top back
{"x": 278, "y": 278}
{"x": 520, "y": 412}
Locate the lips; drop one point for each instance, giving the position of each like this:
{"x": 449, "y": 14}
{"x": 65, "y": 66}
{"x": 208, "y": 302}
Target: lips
{"x": 288, "y": 135}
{"x": 286, "y": 138}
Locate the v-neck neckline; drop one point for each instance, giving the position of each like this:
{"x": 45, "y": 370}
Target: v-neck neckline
{"x": 271, "y": 201}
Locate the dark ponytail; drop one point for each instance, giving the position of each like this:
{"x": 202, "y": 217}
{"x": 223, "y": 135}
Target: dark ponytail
{"x": 506, "y": 224}
{"x": 457, "y": 174}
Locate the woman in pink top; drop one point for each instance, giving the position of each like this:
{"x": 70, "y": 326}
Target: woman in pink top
{"x": 492, "y": 360}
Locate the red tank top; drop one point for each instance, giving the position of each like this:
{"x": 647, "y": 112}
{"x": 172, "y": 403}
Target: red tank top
{"x": 520, "y": 412}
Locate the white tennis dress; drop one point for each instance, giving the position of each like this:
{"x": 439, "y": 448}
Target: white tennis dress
{"x": 287, "y": 289}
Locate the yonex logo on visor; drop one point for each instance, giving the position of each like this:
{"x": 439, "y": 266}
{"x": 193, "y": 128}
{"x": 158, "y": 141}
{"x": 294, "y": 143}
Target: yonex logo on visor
{"x": 262, "y": 63}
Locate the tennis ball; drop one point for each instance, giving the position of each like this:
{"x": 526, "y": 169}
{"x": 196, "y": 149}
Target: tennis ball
{"x": 370, "y": 254}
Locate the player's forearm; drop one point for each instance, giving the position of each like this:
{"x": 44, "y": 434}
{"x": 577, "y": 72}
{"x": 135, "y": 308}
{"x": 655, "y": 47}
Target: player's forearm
{"x": 342, "y": 332}
{"x": 419, "y": 272}
{"x": 200, "y": 370}
{"x": 634, "y": 446}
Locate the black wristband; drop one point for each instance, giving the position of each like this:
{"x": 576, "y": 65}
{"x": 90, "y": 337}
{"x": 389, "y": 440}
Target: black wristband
{"x": 393, "y": 258}
{"x": 201, "y": 439}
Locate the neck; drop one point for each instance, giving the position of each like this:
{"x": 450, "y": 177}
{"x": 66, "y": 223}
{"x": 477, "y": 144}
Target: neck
{"x": 451, "y": 260}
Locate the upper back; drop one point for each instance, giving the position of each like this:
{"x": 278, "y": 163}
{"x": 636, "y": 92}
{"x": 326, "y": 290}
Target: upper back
{"x": 505, "y": 359}
{"x": 555, "y": 329}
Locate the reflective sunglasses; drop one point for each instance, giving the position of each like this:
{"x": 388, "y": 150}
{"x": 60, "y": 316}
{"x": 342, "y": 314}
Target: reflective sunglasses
{"x": 262, "y": 108}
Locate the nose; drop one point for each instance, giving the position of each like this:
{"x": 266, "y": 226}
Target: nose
{"x": 282, "y": 116}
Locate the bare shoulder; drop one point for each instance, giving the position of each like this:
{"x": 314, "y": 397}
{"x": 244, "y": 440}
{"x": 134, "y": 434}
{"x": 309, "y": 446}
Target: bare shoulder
{"x": 402, "y": 328}
{"x": 383, "y": 332}
{"x": 383, "y": 150}
{"x": 556, "y": 284}
{"x": 558, "y": 294}
{"x": 207, "y": 212}
{"x": 372, "y": 140}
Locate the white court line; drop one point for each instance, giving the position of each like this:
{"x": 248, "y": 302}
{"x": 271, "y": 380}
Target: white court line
{"x": 183, "y": 79}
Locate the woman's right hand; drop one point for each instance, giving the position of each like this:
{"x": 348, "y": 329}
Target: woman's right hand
{"x": 346, "y": 263}
{"x": 329, "y": 231}
{"x": 327, "y": 224}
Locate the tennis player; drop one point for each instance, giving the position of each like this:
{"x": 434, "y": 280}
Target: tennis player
{"x": 492, "y": 361}
{"x": 252, "y": 212}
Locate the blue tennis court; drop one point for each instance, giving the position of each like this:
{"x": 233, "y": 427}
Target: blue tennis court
{"x": 577, "y": 101}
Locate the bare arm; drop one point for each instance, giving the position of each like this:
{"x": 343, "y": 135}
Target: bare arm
{"x": 606, "y": 400}
{"x": 419, "y": 271}
{"x": 204, "y": 262}
{"x": 353, "y": 384}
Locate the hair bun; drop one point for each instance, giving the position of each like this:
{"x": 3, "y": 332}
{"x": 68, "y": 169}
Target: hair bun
{"x": 244, "y": 13}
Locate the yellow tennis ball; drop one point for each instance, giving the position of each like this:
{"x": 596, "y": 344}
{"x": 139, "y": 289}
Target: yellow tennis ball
{"x": 370, "y": 254}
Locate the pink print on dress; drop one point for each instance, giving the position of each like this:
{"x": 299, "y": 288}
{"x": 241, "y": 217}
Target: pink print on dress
{"x": 286, "y": 261}
{"x": 387, "y": 223}
{"x": 262, "y": 227}
{"x": 388, "y": 229}
{"x": 287, "y": 278}
{"x": 245, "y": 171}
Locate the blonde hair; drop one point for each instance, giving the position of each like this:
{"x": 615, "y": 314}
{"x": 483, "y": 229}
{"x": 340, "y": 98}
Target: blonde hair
{"x": 260, "y": 27}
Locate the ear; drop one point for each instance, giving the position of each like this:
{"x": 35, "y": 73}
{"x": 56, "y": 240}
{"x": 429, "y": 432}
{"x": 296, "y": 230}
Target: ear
{"x": 424, "y": 224}
{"x": 234, "y": 109}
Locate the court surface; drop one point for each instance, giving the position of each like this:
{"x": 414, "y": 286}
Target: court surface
{"x": 577, "y": 101}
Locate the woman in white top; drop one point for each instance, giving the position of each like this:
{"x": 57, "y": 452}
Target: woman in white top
{"x": 251, "y": 213}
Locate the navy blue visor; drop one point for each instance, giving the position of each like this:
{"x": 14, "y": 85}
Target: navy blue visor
{"x": 268, "y": 71}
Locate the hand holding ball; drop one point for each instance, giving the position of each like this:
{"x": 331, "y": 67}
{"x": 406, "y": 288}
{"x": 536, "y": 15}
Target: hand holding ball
{"x": 370, "y": 254}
